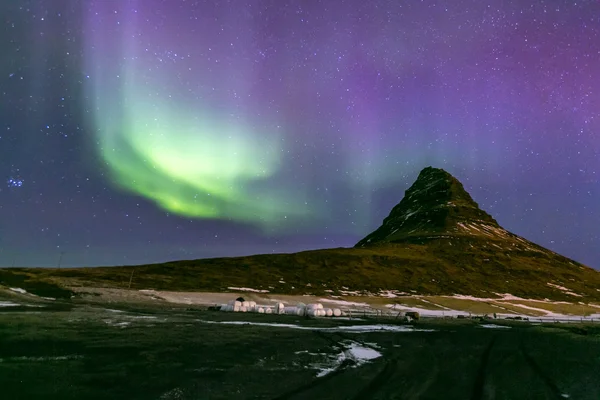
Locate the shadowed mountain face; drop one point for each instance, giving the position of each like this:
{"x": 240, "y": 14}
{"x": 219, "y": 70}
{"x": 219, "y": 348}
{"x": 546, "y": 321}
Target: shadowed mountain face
{"x": 436, "y": 241}
{"x": 437, "y": 209}
{"x": 436, "y": 204}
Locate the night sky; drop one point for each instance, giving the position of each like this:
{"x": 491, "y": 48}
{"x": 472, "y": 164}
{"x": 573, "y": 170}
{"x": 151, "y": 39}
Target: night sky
{"x": 151, "y": 130}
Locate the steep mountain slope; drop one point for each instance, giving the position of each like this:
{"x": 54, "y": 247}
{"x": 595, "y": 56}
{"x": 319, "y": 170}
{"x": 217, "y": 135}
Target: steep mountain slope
{"x": 436, "y": 241}
{"x": 436, "y": 204}
{"x": 437, "y": 210}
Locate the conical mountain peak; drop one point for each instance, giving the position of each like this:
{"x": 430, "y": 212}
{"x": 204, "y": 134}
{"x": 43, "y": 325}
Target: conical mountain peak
{"x": 435, "y": 204}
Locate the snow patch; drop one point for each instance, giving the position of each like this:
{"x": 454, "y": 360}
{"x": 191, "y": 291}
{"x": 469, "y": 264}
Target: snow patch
{"x": 426, "y": 312}
{"x": 434, "y": 304}
{"x": 342, "y": 328}
{"x": 8, "y": 304}
{"x": 18, "y": 290}
{"x": 122, "y": 324}
{"x": 564, "y": 289}
{"x": 343, "y": 302}
{"x": 242, "y": 289}
{"x": 391, "y": 293}
{"x": 350, "y": 292}
{"x": 351, "y": 351}
{"x": 493, "y": 326}
{"x": 543, "y": 311}
{"x": 503, "y": 297}
{"x": 361, "y": 353}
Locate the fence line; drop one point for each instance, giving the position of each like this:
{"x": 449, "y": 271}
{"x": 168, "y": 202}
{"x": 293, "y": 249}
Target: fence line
{"x": 353, "y": 313}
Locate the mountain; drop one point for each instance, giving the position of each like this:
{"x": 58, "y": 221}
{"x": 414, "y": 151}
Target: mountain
{"x": 436, "y": 241}
{"x": 436, "y": 204}
{"x": 437, "y": 210}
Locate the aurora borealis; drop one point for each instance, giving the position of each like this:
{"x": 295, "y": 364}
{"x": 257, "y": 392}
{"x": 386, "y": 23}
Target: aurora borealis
{"x": 149, "y": 130}
{"x": 189, "y": 157}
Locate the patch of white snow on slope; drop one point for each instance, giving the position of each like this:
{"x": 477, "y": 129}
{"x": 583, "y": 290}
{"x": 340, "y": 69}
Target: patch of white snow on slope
{"x": 391, "y": 293}
{"x": 435, "y": 304}
{"x": 8, "y": 304}
{"x": 18, "y": 290}
{"x": 242, "y": 289}
{"x": 343, "y": 302}
{"x": 545, "y": 312}
{"x": 503, "y": 297}
{"x": 564, "y": 289}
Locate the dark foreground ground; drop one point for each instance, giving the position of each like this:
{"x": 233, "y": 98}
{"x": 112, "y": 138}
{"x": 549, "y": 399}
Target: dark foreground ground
{"x": 89, "y": 352}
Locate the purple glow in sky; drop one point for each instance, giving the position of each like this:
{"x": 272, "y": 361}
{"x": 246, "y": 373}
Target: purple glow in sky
{"x": 152, "y": 130}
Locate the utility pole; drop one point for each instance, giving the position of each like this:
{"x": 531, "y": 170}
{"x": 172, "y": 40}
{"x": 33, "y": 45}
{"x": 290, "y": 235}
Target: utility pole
{"x": 131, "y": 278}
{"x": 583, "y": 303}
{"x": 62, "y": 253}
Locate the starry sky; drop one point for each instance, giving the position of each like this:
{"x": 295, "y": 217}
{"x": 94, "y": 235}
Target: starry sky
{"x": 137, "y": 131}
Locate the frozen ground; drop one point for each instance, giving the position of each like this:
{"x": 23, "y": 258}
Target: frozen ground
{"x": 503, "y": 305}
{"x": 340, "y": 328}
{"x": 350, "y": 352}
{"x": 145, "y": 351}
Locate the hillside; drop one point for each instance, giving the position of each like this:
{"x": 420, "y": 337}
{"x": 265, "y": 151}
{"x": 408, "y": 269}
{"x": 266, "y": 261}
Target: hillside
{"x": 436, "y": 241}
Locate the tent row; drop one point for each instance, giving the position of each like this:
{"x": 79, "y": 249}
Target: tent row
{"x": 301, "y": 309}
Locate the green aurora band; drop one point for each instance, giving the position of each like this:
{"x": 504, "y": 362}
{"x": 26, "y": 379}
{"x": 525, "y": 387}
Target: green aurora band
{"x": 188, "y": 161}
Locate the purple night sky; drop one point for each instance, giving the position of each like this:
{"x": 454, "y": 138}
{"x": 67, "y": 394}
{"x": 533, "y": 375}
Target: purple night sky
{"x": 151, "y": 130}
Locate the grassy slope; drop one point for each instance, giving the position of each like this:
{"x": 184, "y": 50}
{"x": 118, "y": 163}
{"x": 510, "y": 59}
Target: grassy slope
{"x": 460, "y": 265}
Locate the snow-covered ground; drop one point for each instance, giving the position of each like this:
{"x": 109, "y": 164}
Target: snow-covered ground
{"x": 391, "y": 293}
{"x": 341, "y": 328}
{"x": 25, "y": 292}
{"x": 564, "y": 289}
{"x": 355, "y": 303}
{"x": 243, "y": 289}
{"x": 547, "y": 315}
{"x": 493, "y": 326}
{"x": 350, "y": 350}
{"x": 13, "y": 304}
{"x": 343, "y": 302}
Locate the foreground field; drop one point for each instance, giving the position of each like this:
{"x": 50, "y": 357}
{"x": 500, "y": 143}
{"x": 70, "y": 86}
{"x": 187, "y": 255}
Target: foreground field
{"x": 67, "y": 351}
